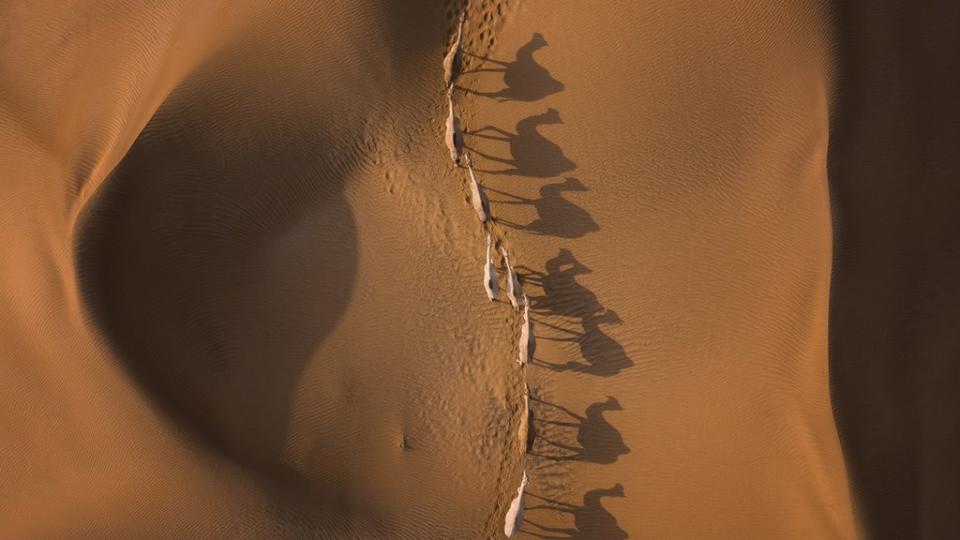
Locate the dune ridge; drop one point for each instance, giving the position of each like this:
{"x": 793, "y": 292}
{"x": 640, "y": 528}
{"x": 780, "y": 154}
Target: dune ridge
{"x": 240, "y": 273}
{"x": 221, "y": 272}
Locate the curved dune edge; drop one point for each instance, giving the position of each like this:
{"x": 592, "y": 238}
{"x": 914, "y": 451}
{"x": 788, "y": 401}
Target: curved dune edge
{"x": 223, "y": 284}
{"x": 240, "y": 275}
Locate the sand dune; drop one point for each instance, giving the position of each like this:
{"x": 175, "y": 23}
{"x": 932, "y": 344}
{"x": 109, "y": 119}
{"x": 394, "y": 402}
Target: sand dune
{"x": 225, "y": 290}
{"x": 241, "y": 290}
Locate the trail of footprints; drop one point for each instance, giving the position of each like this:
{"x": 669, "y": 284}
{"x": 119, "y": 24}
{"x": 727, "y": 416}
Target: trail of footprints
{"x": 487, "y": 14}
{"x": 453, "y": 138}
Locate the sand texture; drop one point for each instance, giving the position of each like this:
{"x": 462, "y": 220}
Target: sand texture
{"x": 242, "y": 280}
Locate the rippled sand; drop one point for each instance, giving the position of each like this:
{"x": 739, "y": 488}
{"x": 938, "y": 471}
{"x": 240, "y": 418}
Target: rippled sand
{"x": 667, "y": 185}
{"x": 237, "y": 287}
{"x": 240, "y": 279}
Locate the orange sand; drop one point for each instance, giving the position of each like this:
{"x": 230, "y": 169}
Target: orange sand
{"x": 240, "y": 281}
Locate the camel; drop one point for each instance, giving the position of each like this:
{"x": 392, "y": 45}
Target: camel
{"x": 513, "y": 283}
{"x": 453, "y": 61}
{"x": 490, "y": 273}
{"x": 528, "y": 342}
{"x": 514, "y": 518}
{"x": 478, "y": 198}
{"x": 454, "y": 134}
{"x": 524, "y": 433}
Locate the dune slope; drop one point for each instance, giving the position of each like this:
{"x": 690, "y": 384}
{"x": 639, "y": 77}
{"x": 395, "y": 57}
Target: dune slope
{"x": 241, "y": 282}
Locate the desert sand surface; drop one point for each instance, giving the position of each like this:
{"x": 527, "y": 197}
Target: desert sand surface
{"x": 241, "y": 279}
{"x": 663, "y": 175}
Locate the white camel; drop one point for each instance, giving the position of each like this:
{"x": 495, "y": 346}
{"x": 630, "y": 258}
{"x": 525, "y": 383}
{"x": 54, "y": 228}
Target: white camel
{"x": 490, "y": 273}
{"x": 478, "y": 198}
{"x": 514, "y": 518}
{"x": 528, "y": 342}
{"x": 454, "y": 135}
{"x": 513, "y": 283}
{"x": 523, "y": 430}
{"x": 453, "y": 61}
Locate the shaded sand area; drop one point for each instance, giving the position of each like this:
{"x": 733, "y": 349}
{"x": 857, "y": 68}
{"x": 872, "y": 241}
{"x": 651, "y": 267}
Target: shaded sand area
{"x": 240, "y": 282}
{"x": 893, "y": 315}
{"x": 239, "y": 298}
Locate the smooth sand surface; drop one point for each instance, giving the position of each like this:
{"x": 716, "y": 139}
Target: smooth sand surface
{"x": 241, "y": 281}
{"x": 662, "y": 171}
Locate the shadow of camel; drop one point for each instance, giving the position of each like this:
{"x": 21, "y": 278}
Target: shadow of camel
{"x": 533, "y": 154}
{"x": 599, "y": 442}
{"x": 557, "y": 216}
{"x": 524, "y": 78}
{"x": 604, "y": 355}
{"x": 564, "y": 296}
{"x": 591, "y": 521}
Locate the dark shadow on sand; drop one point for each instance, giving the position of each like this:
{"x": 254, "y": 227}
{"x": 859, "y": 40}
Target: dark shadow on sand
{"x": 893, "y": 172}
{"x": 557, "y": 216}
{"x": 523, "y": 78}
{"x": 563, "y": 296}
{"x": 597, "y": 440}
{"x": 591, "y": 521}
{"x": 532, "y": 154}
{"x": 215, "y": 270}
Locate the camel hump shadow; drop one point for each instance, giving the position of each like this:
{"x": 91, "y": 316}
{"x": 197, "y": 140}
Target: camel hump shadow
{"x": 590, "y": 519}
{"x": 524, "y": 78}
{"x": 556, "y": 215}
{"x": 560, "y": 217}
{"x": 598, "y": 441}
{"x": 531, "y": 154}
{"x": 565, "y": 297}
